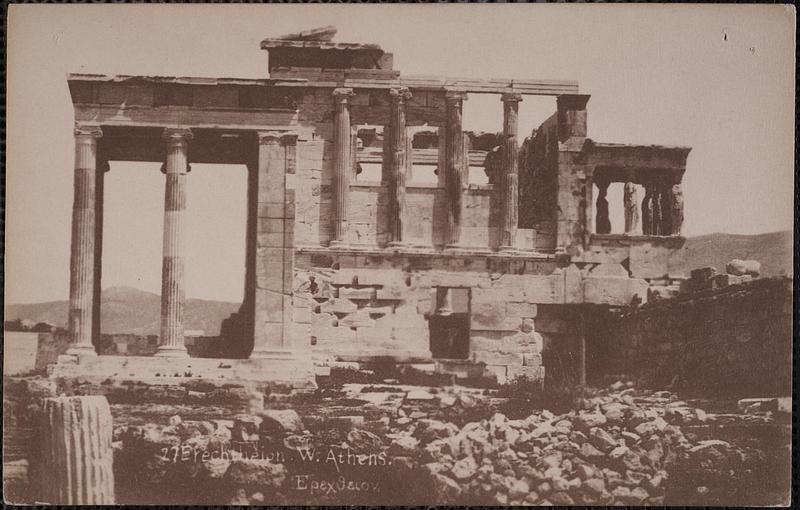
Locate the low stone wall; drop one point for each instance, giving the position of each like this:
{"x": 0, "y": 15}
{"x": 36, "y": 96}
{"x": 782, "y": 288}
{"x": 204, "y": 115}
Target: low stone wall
{"x": 735, "y": 341}
{"x": 146, "y": 345}
{"x": 28, "y": 351}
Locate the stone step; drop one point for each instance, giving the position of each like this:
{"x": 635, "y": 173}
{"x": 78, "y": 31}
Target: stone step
{"x": 285, "y": 371}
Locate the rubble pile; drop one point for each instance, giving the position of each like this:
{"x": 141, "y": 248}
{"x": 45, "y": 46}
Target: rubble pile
{"x": 617, "y": 450}
{"x": 622, "y": 446}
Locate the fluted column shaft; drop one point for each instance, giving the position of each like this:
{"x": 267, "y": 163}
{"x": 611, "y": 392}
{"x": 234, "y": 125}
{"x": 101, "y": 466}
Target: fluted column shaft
{"x": 343, "y": 164}
{"x": 102, "y": 168}
{"x": 398, "y": 163}
{"x": 510, "y": 172}
{"x": 173, "y": 291}
{"x": 454, "y": 177}
{"x": 81, "y": 287}
{"x": 77, "y": 457}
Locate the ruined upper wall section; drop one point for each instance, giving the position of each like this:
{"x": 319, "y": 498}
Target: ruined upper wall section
{"x": 314, "y": 49}
{"x": 314, "y": 56}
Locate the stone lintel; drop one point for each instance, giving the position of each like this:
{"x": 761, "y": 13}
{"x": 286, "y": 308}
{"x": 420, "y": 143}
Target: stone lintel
{"x": 454, "y": 95}
{"x": 425, "y": 251}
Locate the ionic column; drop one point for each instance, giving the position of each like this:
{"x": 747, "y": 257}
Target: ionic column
{"x": 510, "y": 176}
{"x": 676, "y": 208}
{"x": 602, "y": 222}
{"x": 81, "y": 282}
{"x": 454, "y": 178}
{"x": 398, "y": 163}
{"x": 630, "y": 201}
{"x": 173, "y": 292}
{"x": 343, "y": 164}
{"x": 102, "y": 168}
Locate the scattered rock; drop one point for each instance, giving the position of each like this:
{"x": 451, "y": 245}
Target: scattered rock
{"x": 281, "y": 421}
{"x": 447, "y": 401}
{"x": 256, "y": 472}
{"x": 419, "y": 394}
{"x": 740, "y": 267}
{"x": 465, "y": 468}
{"x": 560, "y": 499}
{"x": 363, "y": 441}
{"x": 445, "y": 489}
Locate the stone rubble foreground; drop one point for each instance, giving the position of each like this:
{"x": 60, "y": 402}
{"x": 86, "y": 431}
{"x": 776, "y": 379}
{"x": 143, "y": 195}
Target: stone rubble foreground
{"x": 623, "y": 446}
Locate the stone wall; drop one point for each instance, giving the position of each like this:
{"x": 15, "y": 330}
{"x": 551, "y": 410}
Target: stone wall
{"x": 538, "y": 183}
{"x": 735, "y": 340}
{"x": 26, "y": 352}
{"x": 20, "y": 349}
{"x": 355, "y": 307}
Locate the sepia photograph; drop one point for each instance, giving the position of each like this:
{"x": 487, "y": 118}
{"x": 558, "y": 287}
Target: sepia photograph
{"x": 439, "y": 255}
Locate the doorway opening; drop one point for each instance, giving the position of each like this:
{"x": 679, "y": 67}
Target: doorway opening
{"x": 449, "y": 325}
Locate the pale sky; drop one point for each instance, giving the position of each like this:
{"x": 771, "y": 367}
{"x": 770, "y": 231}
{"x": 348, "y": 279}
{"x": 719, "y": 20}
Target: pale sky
{"x": 718, "y": 78}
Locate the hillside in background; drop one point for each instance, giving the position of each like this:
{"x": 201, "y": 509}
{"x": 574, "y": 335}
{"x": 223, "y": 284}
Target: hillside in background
{"x": 773, "y": 250}
{"x": 129, "y": 310}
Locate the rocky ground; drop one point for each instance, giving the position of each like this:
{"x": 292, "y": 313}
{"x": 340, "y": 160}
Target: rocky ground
{"x": 389, "y": 443}
{"x": 396, "y": 444}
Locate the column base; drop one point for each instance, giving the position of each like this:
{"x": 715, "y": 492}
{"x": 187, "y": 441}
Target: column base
{"x": 338, "y": 244}
{"x": 398, "y": 244}
{"x": 458, "y": 249}
{"x": 171, "y": 352}
{"x": 81, "y": 350}
{"x": 508, "y": 249}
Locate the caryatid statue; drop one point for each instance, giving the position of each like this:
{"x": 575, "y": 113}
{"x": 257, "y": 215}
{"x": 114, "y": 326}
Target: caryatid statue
{"x": 676, "y": 208}
{"x": 631, "y": 204}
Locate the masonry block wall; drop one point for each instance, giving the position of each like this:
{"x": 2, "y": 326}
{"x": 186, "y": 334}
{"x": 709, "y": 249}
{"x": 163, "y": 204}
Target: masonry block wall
{"x": 538, "y": 187}
{"x": 734, "y": 341}
{"x": 358, "y": 307}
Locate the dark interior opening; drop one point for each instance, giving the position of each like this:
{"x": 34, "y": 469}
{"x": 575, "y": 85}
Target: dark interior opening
{"x": 449, "y": 325}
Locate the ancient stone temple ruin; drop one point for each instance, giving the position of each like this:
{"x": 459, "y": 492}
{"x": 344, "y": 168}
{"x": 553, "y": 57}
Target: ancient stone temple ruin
{"x": 366, "y": 239}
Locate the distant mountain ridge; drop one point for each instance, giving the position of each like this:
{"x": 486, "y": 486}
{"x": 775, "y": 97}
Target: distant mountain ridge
{"x": 129, "y": 310}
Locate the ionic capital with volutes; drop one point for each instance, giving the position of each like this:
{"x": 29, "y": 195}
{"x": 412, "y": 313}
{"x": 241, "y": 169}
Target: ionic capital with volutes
{"x": 277, "y": 137}
{"x": 87, "y": 133}
{"x": 511, "y": 97}
{"x": 455, "y": 96}
{"x": 342, "y": 95}
{"x": 177, "y": 136}
{"x": 400, "y": 94}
